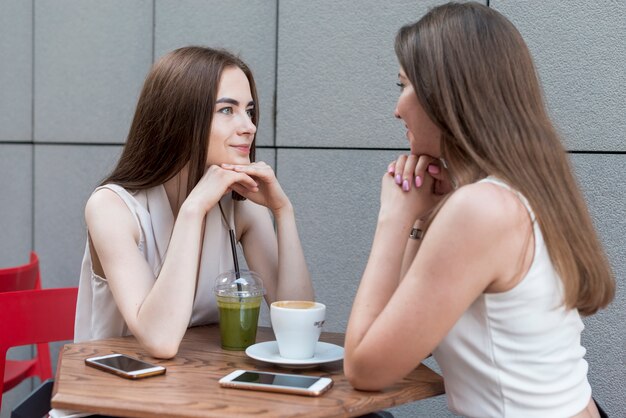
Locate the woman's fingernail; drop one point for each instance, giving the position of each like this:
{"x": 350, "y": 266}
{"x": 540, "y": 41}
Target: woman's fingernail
{"x": 405, "y": 185}
{"x": 418, "y": 181}
{"x": 398, "y": 179}
{"x": 226, "y": 165}
{"x": 391, "y": 169}
{"x": 433, "y": 169}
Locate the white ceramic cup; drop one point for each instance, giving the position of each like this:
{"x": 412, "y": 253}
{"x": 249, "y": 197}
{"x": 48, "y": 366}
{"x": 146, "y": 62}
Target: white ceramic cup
{"x": 297, "y": 326}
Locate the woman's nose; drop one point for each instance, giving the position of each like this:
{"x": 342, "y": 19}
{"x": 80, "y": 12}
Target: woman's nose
{"x": 247, "y": 125}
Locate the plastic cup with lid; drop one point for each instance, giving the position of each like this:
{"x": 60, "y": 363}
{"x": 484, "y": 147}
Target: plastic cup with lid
{"x": 239, "y": 299}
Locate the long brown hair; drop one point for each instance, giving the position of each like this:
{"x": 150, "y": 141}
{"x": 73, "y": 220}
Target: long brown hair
{"x": 172, "y": 122}
{"x": 475, "y": 78}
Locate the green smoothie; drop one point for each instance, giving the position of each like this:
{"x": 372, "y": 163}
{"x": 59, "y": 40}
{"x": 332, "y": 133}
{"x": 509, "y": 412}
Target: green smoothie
{"x": 238, "y": 321}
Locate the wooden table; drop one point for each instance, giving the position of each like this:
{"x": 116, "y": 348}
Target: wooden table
{"x": 190, "y": 387}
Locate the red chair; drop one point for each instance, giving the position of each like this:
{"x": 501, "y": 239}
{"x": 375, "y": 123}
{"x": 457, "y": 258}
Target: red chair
{"x": 24, "y": 277}
{"x": 34, "y": 317}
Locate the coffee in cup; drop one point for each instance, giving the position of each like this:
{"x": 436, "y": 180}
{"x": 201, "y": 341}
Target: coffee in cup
{"x": 297, "y": 326}
{"x": 239, "y": 302}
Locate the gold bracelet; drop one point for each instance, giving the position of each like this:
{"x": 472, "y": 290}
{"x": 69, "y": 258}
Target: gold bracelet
{"x": 416, "y": 233}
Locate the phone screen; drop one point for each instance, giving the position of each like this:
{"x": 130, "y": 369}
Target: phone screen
{"x": 128, "y": 364}
{"x": 277, "y": 380}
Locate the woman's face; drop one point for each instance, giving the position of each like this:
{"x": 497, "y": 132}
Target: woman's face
{"x": 423, "y": 135}
{"x": 232, "y": 130}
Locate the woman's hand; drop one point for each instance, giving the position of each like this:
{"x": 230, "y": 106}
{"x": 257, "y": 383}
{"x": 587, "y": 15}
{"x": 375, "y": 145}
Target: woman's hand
{"x": 413, "y": 186}
{"x": 215, "y": 183}
{"x": 269, "y": 192}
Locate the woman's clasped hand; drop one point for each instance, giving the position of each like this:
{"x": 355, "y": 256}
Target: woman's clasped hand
{"x": 267, "y": 191}
{"x": 423, "y": 181}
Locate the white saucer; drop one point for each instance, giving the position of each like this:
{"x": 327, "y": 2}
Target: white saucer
{"x": 268, "y": 352}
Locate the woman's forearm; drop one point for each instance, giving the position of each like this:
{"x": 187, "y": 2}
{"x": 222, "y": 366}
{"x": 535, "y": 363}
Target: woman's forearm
{"x": 412, "y": 245}
{"x": 164, "y": 315}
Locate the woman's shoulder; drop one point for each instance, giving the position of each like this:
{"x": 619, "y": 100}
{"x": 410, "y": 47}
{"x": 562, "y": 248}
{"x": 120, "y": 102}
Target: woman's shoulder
{"x": 105, "y": 205}
{"x": 104, "y": 197}
{"x": 113, "y": 194}
{"x": 486, "y": 205}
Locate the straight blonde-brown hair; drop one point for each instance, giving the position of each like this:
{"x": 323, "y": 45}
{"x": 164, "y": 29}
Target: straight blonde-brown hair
{"x": 474, "y": 76}
{"x": 172, "y": 122}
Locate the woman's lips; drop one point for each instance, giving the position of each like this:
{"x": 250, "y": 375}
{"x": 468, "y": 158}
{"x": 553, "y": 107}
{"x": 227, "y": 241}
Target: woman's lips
{"x": 244, "y": 149}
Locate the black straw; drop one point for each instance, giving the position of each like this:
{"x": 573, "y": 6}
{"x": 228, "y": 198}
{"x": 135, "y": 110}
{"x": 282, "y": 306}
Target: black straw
{"x": 233, "y": 248}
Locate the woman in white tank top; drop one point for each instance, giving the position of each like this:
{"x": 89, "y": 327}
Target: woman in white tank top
{"x": 158, "y": 225}
{"x": 484, "y": 252}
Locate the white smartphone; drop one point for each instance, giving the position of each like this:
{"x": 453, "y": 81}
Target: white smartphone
{"x": 125, "y": 366}
{"x": 277, "y": 382}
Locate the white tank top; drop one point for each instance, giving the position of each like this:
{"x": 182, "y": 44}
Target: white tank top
{"x": 97, "y": 315}
{"x": 517, "y": 353}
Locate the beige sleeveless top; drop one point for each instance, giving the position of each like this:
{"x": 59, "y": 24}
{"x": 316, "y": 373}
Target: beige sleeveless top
{"x": 97, "y": 315}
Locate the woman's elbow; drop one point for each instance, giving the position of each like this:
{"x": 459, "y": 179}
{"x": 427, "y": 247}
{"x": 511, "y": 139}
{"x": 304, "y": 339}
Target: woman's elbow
{"x": 362, "y": 378}
{"x": 164, "y": 349}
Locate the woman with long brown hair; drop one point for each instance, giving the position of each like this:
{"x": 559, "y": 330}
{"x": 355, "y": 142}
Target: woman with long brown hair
{"x": 484, "y": 252}
{"x": 158, "y": 225}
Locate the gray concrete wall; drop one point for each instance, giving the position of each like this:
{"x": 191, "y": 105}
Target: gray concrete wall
{"x": 71, "y": 70}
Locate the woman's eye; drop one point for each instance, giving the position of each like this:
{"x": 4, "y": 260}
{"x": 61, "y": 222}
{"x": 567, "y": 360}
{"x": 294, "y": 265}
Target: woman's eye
{"x": 250, "y": 113}
{"x": 401, "y": 85}
{"x": 226, "y": 110}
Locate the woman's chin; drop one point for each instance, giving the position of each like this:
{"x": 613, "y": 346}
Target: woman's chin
{"x": 239, "y": 160}
{"x": 232, "y": 161}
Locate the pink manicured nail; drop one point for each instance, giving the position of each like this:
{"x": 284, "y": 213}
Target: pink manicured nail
{"x": 398, "y": 179}
{"x": 433, "y": 169}
{"x": 391, "y": 169}
{"x": 405, "y": 185}
{"x": 418, "y": 181}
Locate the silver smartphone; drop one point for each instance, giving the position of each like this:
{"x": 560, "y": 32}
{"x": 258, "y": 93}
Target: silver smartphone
{"x": 277, "y": 382}
{"x": 125, "y": 366}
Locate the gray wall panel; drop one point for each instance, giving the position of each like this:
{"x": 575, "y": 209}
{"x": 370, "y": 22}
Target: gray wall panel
{"x": 603, "y": 181}
{"x": 267, "y": 155}
{"x": 65, "y": 176}
{"x": 337, "y": 72}
{"x": 247, "y": 28}
{"x": 336, "y": 197}
{"x": 16, "y": 190}
{"x": 578, "y": 47}
{"x": 91, "y": 58}
{"x": 16, "y": 63}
